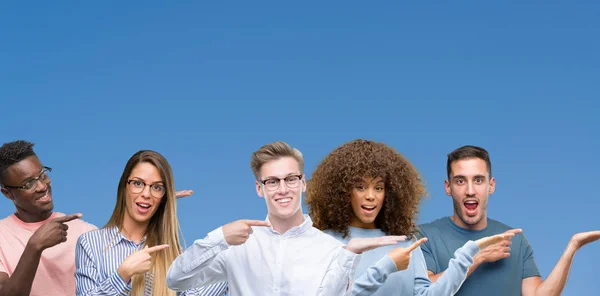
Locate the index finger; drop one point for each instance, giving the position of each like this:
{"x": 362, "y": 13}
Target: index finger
{"x": 155, "y": 248}
{"x": 514, "y": 231}
{"x": 67, "y": 218}
{"x": 416, "y": 244}
{"x": 257, "y": 223}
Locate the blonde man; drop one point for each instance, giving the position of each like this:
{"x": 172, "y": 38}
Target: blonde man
{"x": 282, "y": 255}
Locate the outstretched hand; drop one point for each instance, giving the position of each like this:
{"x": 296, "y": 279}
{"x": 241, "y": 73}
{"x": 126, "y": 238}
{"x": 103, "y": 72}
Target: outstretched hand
{"x": 502, "y": 238}
{"x": 495, "y": 247}
{"x": 183, "y": 193}
{"x": 583, "y": 238}
{"x": 360, "y": 245}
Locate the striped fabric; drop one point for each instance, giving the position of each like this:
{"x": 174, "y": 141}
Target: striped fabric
{"x": 99, "y": 254}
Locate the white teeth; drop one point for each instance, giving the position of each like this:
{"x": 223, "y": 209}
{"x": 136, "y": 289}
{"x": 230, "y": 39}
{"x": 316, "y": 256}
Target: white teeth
{"x": 144, "y": 205}
{"x": 284, "y": 200}
{"x": 368, "y": 208}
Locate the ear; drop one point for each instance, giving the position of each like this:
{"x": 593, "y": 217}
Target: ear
{"x": 447, "y": 188}
{"x": 492, "y": 185}
{"x": 7, "y": 193}
{"x": 303, "y": 183}
{"x": 259, "y": 190}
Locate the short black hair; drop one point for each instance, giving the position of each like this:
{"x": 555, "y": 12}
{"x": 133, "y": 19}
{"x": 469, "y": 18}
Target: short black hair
{"x": 469, "y": 151}
{"x": 13, "y": 152}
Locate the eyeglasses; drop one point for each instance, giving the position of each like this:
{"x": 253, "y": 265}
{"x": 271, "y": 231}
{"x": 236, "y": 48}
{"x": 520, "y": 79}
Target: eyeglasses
{"x": 137, "y": 186}
{"x": 291, "y": 181}
{"x": 32, "y": 184}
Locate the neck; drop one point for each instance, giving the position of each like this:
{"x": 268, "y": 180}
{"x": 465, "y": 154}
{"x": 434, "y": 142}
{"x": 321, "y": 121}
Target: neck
{"x": 32, "y": 218}
{"x": 133, "y": 230}
{"x": 285, "y": 224}
{"x": 482, "y": 224}
{"x": 360, "y": 224}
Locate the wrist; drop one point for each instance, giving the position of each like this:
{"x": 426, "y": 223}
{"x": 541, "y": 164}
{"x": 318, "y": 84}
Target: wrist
{"x": 125, "y": 274}
{"x": 349, "y": 248}
{"x": 572, "y": 247}
{"x": 477, "y": 260}
{"x": 34, "y": 247}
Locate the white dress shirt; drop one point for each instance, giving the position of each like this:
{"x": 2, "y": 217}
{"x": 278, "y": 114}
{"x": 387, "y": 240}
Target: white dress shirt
{"x": 302, "y": 261}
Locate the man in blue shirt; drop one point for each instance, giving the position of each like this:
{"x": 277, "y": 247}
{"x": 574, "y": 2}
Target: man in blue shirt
{"x": 503, "y": 269}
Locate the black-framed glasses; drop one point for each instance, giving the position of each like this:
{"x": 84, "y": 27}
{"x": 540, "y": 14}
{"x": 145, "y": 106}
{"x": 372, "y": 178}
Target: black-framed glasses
{"x": 32, "y": 184}
{"x": 157, "y": 190}
{"x": 292, "y": 181}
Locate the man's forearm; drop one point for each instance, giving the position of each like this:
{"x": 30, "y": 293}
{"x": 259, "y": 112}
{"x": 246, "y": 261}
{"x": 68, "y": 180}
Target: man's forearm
{"x": 22, "y": 279}
{"x": 556, "y": 281}
{"x": 476, "y": 263}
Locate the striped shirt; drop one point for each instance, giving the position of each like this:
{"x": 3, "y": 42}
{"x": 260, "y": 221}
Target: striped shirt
{"x": 98, "y": 255}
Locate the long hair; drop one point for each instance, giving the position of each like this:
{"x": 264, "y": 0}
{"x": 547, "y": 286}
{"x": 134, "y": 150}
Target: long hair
{"x": 162, "y": 229}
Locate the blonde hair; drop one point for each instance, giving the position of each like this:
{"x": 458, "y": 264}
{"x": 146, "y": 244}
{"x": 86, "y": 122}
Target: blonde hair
{"x": 273, "y": 151}
{"x": 162, "y": 229}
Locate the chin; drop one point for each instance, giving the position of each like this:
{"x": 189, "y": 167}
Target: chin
{"x": 285, "y": 214}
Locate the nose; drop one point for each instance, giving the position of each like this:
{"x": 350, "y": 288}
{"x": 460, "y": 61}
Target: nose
{"x": 145, "y": 192}
{"x": 370, "y": 194}
{"x": 41, "y": 186}
{"x": 283, "y": 188}
{"x": 470, "y": 189}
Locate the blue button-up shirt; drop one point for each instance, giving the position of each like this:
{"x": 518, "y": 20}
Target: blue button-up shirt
{"x": 99, "y": 254}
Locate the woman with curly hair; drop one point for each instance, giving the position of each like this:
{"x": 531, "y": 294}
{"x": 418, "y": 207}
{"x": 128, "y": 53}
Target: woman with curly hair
{"x": 366, "y": 189}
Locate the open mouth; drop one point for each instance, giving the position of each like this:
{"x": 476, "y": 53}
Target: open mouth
{"x": 284, "y": 201}
{"x": 44, "y": 198}
{"x": 471, "y": 206}
{"x": 368, "y": 209}
{"x": 143, "y": 207}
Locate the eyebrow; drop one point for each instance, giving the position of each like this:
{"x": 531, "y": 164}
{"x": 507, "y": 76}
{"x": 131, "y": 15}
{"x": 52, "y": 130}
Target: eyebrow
{"x": 463, "y": 177}
{"x": 275, "y": 177}
{"x": 140, "y": 179}
{"x": 32, "y": 177}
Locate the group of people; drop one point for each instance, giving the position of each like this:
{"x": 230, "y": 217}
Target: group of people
{"x": 360, "y": 236}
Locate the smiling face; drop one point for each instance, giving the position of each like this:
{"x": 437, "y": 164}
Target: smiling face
{"x": 34, "y": 204}
{"x": 470, "y": 186}
{"x": 282, "y": 189}
{"x": 144, "y": 193}
{"x": 367, "y": 200}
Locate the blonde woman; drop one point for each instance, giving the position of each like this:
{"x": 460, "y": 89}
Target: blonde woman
{"x": 133, "y": 252}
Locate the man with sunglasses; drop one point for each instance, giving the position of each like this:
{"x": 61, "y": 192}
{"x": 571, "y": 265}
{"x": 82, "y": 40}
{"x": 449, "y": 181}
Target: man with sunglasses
{"x": 37, "y": 245}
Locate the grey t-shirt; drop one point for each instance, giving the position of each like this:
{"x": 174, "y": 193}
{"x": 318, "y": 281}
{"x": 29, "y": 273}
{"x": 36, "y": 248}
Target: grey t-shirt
{"x": 503, "y": 277}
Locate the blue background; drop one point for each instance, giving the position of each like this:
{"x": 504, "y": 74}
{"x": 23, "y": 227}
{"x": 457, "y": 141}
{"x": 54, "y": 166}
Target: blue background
{"x": 206, "y": 83}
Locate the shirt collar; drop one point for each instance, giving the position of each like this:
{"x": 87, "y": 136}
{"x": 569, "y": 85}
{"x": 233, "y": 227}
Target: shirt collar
{"x": 296, "y": 230}
{"x": 118, "y": 237}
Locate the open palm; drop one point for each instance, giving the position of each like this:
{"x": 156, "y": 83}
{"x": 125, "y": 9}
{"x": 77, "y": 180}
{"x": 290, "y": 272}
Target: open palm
{"x": 583, "y": 238}
{"x": 359, "y": 245}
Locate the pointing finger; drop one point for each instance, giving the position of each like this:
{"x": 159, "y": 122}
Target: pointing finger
{"x": 67, "y": 218}
{"x": 155, "y": 248}
{"x": 257, "y": 223}
{"x": 514, "y": 231}
{"x": 416, "y": 244}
